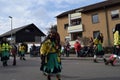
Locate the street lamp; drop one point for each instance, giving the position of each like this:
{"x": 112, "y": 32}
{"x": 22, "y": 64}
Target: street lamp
{"x": 11, "y": 27}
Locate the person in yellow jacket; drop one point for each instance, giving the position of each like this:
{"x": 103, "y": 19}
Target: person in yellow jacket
{"x": 98, "y": 47}
{"x": 22, "y": 51}
{"x": 50, "y": 56}
{"x": 116, "y": 50}
{"x": 5, "y": 51}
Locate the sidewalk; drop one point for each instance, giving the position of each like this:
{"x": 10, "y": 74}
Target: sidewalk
{"x": 73, "y": 57}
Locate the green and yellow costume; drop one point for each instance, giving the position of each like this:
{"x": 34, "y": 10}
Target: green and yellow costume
{"x": 51, "y": 63}
{"x": 116, "y": 34}
{"x": 98, "y": 46}
{"x": 5, "y": 52}
{"x": 116, "y": 49}
{"x": 22, "y": 50}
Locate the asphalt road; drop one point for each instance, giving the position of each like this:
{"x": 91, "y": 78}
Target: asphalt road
{"x": 72, "y": 70}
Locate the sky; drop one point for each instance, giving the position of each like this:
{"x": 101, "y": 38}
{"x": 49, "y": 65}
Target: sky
{"x": 40, "y": 12}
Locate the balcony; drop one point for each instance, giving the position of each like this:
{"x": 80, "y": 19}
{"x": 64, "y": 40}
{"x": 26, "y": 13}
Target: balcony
{"x": 75, "y": 28}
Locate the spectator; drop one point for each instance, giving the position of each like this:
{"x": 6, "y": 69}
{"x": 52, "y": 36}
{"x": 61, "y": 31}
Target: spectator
{"x": 77, "y": 47}
{"x": 67, "y": 48}
{"x": 33, "y": 50}
{"x": 62, "y": 50}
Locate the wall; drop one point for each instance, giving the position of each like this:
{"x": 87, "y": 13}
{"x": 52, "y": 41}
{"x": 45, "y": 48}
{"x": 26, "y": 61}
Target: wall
{"x": 60, "y": 26}
{"x": 89, "y": 27}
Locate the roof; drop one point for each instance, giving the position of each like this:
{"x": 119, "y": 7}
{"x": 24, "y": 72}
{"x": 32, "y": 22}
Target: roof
{"x": 13, "y": 31}
{"x": 99, "y": 5}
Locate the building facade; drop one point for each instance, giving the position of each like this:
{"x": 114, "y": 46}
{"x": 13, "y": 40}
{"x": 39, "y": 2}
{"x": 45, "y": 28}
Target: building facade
{"x": 90, "y": 20}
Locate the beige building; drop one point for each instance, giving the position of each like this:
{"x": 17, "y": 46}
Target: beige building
{"x": 90, "y": 20}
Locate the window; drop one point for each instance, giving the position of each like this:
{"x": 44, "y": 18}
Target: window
{"x": 75, "y": 35}
{"x": 65, "y": 26}
{"x": 75, "y": 21}
{"x": 115, "y": 14}
{"x": 67, "y": 38}
{"x": 95, "y": 34}
{"x": 95, "y": 18}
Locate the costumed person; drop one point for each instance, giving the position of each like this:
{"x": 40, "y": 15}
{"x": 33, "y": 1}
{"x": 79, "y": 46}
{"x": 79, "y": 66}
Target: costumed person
{"x": 22, "y": 51}
{"x": 116, "y": 50}
{"x": 50, "y": 55}
{"x": 26, "y": 47}
{"x": 14, "y": 53}
{"x": 5, "y": 51}
{"x": 98, "y": 47}
{"x": 77, "y": 47}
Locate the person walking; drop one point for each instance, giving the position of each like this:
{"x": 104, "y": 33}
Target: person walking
{"x": 99, "y": 48}
{"x": 116, "y": 49}
{"x": 22, "y": 51}
{"x": 14, "y": 53}
{"x": 50, "y": 55}
{"x": 77, "y": 47}
{"x": 5, "y": 51}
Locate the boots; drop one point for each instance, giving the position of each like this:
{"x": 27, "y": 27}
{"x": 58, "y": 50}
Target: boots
{"x": 24, "y": 59}
{"x": 14, "y": 60}
{"x": 4, "y": 63}
{"x": 95, "y": 61}
{"x": 14, "y": 63}
{"x": 104, "y": 60}
{"x": 58, "y": 77}
{"x": 48, "y": 77}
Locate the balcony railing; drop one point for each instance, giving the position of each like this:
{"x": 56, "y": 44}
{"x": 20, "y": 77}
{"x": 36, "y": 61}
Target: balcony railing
{"x": 75, "y": 28}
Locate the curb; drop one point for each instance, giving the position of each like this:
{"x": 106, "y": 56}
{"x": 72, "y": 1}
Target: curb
{"x": 73, "y": 57}
{"x": 76, "y": 58}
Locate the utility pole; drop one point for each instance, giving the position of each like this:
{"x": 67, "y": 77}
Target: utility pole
{"x": 11, "y": 27}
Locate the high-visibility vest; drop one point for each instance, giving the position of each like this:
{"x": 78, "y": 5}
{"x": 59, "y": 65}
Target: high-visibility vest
{"x": 22, "y": 48}
{"x": 5, "y": 47}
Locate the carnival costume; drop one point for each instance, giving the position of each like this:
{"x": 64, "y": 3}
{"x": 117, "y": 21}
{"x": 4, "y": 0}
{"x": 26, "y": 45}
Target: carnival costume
{"x": 116, "y": 50}
{"x": 52, "y": 63}
{"x": 5, "y": 52}
{"x": 22, "y": 52}
{"x": 50, "y": 56}
{"x": 98, "y": 47}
